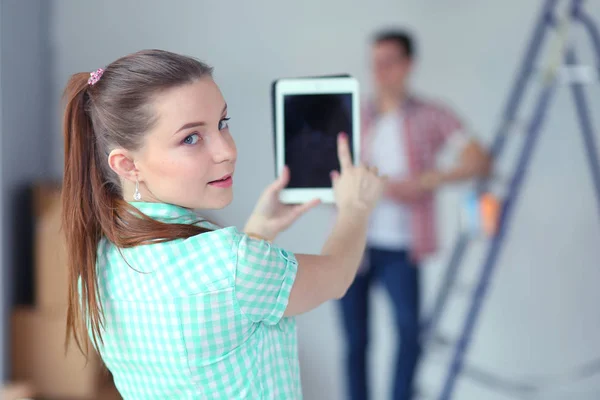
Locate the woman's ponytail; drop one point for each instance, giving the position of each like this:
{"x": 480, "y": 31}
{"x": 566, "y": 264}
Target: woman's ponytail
{"x": 81, "y": 181}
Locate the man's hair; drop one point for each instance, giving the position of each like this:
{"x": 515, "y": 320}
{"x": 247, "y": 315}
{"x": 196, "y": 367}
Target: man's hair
{"x": 401, "y": 38}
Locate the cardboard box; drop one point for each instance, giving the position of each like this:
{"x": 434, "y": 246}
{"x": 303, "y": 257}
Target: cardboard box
{"x": 109, "y": 392}
{"x": 17, "y": 391}
{"x": 51, "y": 272}
{"x": 38, "y": 356}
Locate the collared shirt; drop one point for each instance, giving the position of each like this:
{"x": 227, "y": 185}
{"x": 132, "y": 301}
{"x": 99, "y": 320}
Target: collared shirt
{"x": 427, "y": 127}
{"x": 199, "y": 318}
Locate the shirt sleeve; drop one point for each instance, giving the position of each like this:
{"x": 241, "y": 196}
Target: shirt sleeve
{"x": 448, "y": 127}
{"x": 264, "y": 276}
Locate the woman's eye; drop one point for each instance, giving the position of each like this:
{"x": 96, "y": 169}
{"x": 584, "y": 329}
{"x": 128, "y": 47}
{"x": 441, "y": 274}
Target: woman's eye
{"x": 192, "y": 139}
{"x": 223, "y": 124}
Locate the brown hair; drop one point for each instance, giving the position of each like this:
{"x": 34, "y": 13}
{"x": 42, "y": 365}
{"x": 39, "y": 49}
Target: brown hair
{"x": 115, "y": 112}
{"x": 401, "y": 38}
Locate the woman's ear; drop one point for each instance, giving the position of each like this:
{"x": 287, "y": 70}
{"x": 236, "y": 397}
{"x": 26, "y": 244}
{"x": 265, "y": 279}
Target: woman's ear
{"x": 121, "y": 162}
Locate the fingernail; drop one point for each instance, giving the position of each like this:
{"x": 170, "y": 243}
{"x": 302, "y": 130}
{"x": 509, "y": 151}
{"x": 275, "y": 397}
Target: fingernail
{"x": 343, "y": 135}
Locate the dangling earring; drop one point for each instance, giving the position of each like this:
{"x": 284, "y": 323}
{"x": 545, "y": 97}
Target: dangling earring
{"x": 137, "y": 196}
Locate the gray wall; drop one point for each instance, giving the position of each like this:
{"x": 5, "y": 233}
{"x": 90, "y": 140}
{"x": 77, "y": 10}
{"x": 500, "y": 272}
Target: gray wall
{"x": 3, "y": 280}
{"x": 27, "y": 135}
{"x": 541, "y": 316}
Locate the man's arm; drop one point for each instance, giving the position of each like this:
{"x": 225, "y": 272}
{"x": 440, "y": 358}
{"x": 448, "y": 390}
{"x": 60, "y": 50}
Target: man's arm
{"x": 474, "y": 162}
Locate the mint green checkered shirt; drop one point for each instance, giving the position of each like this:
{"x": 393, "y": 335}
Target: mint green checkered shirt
{"x": 200, "y": 318}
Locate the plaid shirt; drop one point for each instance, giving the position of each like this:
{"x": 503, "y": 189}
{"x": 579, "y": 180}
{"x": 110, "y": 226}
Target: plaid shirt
{"x": 427, "y": 127}
{"x": 200, "y": 318}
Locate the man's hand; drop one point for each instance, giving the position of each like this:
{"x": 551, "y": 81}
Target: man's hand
{"x": 270, "y": 216}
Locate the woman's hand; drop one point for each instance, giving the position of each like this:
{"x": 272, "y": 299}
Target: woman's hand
{"x": 357, "y": 188}
{"x": 270, "y": 216}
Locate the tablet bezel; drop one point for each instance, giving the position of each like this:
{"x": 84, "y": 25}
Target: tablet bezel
{"x": 296, "y": 86}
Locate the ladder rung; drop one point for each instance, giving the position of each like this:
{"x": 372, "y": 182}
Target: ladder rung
{"x": 442, "y": 340}
{"x": 422, "y": 394}
{"x": 475, "y": 237}
{"x": 491, "y": 380}
{"x": 439, "y": 346}
{"x": 517, "y": 125}
{"x": 462, "y": 288}
{"x": 578, "y": 74}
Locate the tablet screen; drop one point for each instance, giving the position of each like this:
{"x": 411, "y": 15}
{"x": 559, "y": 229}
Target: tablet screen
{"x": 311, "y": 125}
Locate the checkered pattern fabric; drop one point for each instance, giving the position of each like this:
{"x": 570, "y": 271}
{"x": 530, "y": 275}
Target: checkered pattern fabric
{"x": 200, "y": 318}
{"x": 427, "y": 127}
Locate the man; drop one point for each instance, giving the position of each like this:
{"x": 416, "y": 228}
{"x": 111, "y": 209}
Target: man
{"x": 402, "y": 135}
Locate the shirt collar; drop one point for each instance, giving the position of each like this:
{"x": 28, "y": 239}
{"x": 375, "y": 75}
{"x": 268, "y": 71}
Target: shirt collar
{"x": 167, "y": 212}
{"x": 407, "y": 105}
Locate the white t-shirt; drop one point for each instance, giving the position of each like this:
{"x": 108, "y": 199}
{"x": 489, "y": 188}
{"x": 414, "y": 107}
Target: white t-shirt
{"x": 389, "y": 226}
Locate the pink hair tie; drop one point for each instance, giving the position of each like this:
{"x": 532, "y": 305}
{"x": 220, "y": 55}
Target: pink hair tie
{"x": 95, "y": 76}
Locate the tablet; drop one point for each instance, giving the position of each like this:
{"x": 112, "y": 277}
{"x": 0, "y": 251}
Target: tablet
{"x": 308, "y": 115}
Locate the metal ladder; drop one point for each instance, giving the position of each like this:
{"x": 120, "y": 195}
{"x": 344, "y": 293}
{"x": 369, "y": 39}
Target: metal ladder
{"x": 577, "y": 77}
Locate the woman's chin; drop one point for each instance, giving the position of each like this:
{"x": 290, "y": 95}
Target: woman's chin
{"x": 217, "y": 202}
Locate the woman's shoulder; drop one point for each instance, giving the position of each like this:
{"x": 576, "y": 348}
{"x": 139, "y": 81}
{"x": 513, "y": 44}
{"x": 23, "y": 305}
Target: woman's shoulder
{"x": 177, "y": 268}
{"x": 216, "y": 235}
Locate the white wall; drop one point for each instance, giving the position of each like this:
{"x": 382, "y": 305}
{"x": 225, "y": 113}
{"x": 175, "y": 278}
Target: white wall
{"x": 541, "y": 315}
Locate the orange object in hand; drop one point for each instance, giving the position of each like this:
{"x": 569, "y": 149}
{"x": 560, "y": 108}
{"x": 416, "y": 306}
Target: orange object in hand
{"x": 489, "y": 207}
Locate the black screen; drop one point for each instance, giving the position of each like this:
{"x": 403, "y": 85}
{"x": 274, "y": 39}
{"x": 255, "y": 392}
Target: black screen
{"x": 311, "y": 125}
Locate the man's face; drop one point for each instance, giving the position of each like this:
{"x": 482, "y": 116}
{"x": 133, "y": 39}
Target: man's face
{"x": 391, "y": 66}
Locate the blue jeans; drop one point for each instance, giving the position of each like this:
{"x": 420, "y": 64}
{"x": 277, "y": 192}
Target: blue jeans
{"x": 400, "y": 276}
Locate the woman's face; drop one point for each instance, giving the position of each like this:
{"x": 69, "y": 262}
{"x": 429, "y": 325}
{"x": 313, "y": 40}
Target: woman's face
{"x": 188, "y": 158}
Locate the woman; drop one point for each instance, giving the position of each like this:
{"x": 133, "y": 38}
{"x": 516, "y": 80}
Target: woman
{"x": 178, "y": 308}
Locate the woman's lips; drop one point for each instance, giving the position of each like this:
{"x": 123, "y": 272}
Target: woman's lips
{"x": 224, "y": 182}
